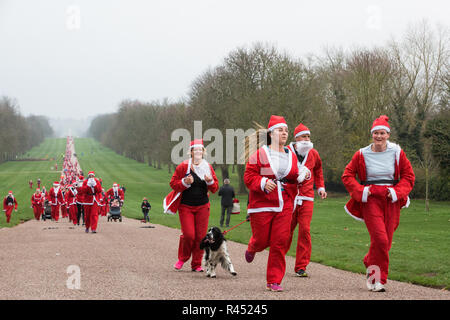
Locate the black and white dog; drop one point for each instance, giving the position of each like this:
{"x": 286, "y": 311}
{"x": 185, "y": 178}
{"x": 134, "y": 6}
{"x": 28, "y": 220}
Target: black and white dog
{"x": 216, "y": 252}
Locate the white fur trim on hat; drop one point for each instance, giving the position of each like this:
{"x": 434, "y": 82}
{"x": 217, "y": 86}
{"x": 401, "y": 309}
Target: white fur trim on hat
{"x": 302, "y": 133}
{"x": 196, "y": 145}
{"x": 278, "y": 125}
{"x": 380, "y": 128}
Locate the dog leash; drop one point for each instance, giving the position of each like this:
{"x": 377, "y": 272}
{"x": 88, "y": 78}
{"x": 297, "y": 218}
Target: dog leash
{"x": 226, "y": 231}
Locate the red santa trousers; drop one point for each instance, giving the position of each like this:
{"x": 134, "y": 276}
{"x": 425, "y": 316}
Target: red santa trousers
{"x": 8, "y": 213}
{"x": 302, "y": 216}
{"x": 73, "y": 210}
{"x": 381, "y": 217}
{"x": 91, "y": 216}
{"x": 272, "y": 229}
{"x": 55, "y": 212}
{"x": 194, "y": 225}
{"x": 37, "y": 210}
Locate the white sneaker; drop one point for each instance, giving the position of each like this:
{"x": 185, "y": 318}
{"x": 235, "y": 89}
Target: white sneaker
{"x": 378, "y": 287}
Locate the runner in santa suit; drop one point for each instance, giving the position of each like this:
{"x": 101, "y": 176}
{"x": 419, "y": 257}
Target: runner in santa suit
{"x": 115, "y": 193}
{"x": 9, "y": 203}
{"x": 104, "y": 203}
{"x": 39, "y": 183}
{"x": 71, "y": 193}
{"x": 44, "y": 197}
{"x": 91, "y": 190}
{"x": 31, "y": 184}
{"x": 386, "y": 179}
{"x": 37, "y": 202}
{"x": 191, "y": 182}
{"x": 272, "y": 175}
{"x": 79, "y": 199}
{"x": 304, "y": 201}
{"x": 56, "y": 199}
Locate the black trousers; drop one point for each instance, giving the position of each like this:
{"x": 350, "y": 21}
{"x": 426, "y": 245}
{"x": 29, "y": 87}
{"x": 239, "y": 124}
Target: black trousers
{"x": 80, "y": 212}
{"x": 222, "y": 216}
{"x": 146, "y": 217}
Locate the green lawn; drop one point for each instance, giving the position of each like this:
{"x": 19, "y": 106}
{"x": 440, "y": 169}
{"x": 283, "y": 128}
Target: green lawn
{"x": 14, "y": 175}
{"x": 420, "y": 252}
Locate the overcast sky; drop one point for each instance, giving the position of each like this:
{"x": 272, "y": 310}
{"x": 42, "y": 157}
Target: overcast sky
{"x": 81, "y": 58}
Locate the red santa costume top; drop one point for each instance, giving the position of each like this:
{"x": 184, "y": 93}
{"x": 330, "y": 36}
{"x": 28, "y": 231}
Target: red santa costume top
{"x": 313, "y": 162}
{"x": 172, "y": 201}
{"x": 260, "y": 168}
{"x": 403, "y": 176}
{"x": 55, "y": 195}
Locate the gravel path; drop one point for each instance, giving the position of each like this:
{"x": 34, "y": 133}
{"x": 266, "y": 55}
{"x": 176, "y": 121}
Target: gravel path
{"x": 128, "y": 260}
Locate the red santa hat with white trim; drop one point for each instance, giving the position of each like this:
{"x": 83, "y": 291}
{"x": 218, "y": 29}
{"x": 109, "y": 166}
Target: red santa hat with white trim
{"x": 300, "y": 130}
{"x": 91, "y": 173}
{"x": 56, "y": 184}
{"x": 381, "y": 123}
{"x": 276, "y": 122}
{"x": 196, "y": 143}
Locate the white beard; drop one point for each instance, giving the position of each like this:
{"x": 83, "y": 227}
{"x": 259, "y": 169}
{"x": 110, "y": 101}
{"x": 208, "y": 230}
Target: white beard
{"x": 202, "y": 169}
{"x": 303, "y": 147}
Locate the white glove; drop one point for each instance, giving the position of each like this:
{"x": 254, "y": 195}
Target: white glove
{"x": 303, "y": 173}
{"x": 91, "y": 182}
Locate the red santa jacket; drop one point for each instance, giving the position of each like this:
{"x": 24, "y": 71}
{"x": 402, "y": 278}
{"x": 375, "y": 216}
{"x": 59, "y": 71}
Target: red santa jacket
{"x": 313, "y": 162}
{"x": 91, "y": 194}
{"x": 173, "y": 199}
{"x": 110, "y": 194}
{"x": 357, "y": 166}
{"x": 37, "y": 200}
{"x": 258, "y": 170}
{"x": 71, "y": 193}
{"x": 5, "y": 203}
{"x": 55, "y": 198}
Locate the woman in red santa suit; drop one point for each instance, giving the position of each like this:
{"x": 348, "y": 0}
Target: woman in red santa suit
{"x": 386, "y": 178}
{"x": 191, "y": 181}
{"x": 9, "y": 203}
{"x": 37, "y": 202}
{"x": 272, "y": 175}
{"x": 304, "y": 201}
{"x": 56, "y": 199}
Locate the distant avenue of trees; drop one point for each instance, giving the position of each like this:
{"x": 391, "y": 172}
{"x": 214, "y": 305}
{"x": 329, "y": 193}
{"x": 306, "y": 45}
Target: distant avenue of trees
{"x": 337, "y": 95}
{"x": 18, "y": 133}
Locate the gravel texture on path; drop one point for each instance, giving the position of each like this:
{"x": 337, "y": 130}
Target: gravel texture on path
{"x": 129, "y": 260}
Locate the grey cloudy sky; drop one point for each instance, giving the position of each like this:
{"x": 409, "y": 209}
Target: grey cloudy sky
{"x": 81, "y": 58}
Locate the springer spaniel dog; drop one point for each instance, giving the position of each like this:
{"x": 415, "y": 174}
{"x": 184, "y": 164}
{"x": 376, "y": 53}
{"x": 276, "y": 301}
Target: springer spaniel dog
{"x": 216, "y": 252}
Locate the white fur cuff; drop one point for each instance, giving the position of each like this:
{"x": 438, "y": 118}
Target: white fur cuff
{"x": 393, "y": 195}
{"x": 263, "y": 183}
{"x": 365, "y": 194}
{"x": 185, "y": 184}
{"x": 210, "y": 183}
{"x": 320, "y": 189}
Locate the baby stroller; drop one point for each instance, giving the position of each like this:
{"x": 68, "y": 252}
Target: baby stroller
{"x": 115, "y": 210}
{"x": 47, "y": 214}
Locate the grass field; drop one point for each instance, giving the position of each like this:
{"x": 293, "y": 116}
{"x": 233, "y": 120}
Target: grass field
{"x": 420, "y": 252}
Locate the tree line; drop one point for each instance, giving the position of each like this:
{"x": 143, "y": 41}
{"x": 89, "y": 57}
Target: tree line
{"x": 337, "y": 94}
{"x": 18, "y": 134}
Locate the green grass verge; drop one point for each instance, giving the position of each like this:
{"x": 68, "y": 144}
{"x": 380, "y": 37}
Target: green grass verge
{"x": 420, "y": 252}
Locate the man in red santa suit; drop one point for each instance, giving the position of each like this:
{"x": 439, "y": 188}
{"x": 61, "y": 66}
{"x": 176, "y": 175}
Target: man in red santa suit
{"x": 55, "y": 199}
{"x": 386, "y": 179}
{"x": 272, "y": 175}
{"x": 9, "y": 203}
{"x": 115, "y": 193}
{"x": 91, "y": 190}
{"x": 191, "y": 183}
{"x": 304, "y": 201}
{"x": 71, "y": 193}
{"x": 37, "y": 202}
